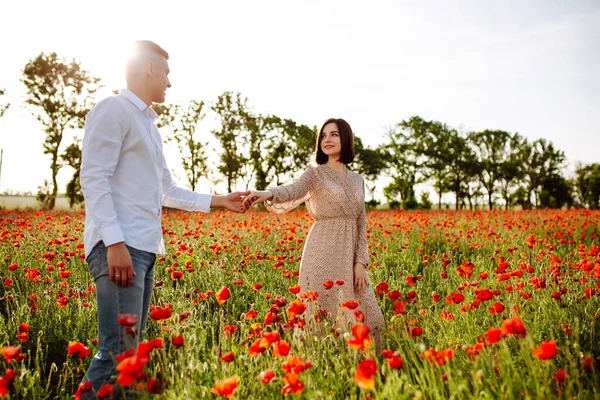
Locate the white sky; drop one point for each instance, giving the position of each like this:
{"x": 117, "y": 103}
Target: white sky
{"x": 529, "y": 67}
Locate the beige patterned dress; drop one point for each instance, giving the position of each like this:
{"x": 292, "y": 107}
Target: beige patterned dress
{"x": 336, "y": 241}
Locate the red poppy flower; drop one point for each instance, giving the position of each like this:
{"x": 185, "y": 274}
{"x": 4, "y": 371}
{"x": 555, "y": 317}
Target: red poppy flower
{"x": 160, "y": 314}
{"x": 281, "y": 348}
{"x": 455, "y": 298}
{"x": 131, "y": 369}
{"x": 280, "y": 301}
{"x": 259, "y": 346}
{"x": 222, "y": 295}
{"x": 294, "y": 289}
{"x": 493, "y": 335}
{"x": 177, "y": 341}
{"x": 176, "y": 275}
{"x": 225, "y": 387}
{"x": 395, "y": 362}
{"x": 296, "y": 308}
{"x": 365, "y": 372}
{"x": 128, "y": 320}
{"x": 546, "y": 351}
{"x": 78, "y": 349}
{"x": 361, "y": 339}
{"x": 267, "y": 376}
{"x": 328, "y": 285}
{"x": 588, "y": 363}
{"x": 292, "y": 384}
{"x": 228, "y": 357}
{"x": 382, "y": 288}
{"x": 183, "y": 316}
{"x": 514, "y": 326}
{"x": 339, "y": 282}
{"x": 230, "y": 330}
{"x": 12, "y": 353}
{"x": 394, "y": 295}
{"x": 293, "y": 365}
{"x": 250, "y": 315}
{"x": 496, "y": 308}
{"x": 105, "y": 391}
{"x": 560, "y": 376}
{"x": 351, "y": 304}
{"x": 415, "y": 332}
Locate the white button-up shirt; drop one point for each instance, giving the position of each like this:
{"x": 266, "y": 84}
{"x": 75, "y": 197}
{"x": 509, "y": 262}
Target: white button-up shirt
{"x": 125, "y": 179}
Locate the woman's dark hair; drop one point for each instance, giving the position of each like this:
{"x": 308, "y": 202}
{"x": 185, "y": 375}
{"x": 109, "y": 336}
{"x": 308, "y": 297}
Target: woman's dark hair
{"x": 346, "y": 140}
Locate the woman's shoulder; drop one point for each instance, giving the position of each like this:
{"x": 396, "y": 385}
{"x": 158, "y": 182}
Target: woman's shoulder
{"x": 356, "y": 175}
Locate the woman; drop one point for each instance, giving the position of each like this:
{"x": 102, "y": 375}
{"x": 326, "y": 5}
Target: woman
{"x": 336, "y": 247}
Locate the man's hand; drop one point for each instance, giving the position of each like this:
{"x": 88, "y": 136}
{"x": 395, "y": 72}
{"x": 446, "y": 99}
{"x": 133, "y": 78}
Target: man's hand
{"x": 120, "y": 266}
{"x": 232, "y": 202}
{"x": 257, "y": 196}
{"x": 360, "y": 279}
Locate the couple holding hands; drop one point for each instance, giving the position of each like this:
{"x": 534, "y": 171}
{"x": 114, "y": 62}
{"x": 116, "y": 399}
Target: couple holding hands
{"x": 126, "y": 182}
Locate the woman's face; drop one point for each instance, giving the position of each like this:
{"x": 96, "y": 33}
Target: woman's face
{"x": 331, "y": 144}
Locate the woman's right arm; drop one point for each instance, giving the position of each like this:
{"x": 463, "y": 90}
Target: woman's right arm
{"x": 281, "y": 199}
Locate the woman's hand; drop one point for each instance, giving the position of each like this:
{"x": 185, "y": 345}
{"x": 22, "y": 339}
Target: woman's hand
{"x": 360, "y": 279}
{"x": 257, "y": 196}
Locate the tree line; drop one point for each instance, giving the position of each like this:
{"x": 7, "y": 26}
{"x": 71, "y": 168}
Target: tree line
{"x": 491, "y": 167}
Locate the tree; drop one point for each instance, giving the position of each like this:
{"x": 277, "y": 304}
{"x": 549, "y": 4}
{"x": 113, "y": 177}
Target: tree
{"x": 541, "y": 161}
{"x": 72, "y": 157}
{"x": 404, "y": 157}
{"x": 555, "y": 192}
{"x": 231, "y": 108}
{"x": 462, "y": 168}
{"x": 256, "y": 128}
{"x": 192, "y": 151}
{"x": 436, "y": 141}
{"x": 587, "y": 185}
{"x": 60, "y": 94}
{"x": 4, "y": 107}
{"x": 369, "y": 163}
{"x": 511, "y": 170}
{"x": 491, "y": 150}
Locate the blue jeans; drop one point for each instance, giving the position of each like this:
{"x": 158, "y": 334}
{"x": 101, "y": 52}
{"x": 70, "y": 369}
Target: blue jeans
{"x": 113, "y": 300}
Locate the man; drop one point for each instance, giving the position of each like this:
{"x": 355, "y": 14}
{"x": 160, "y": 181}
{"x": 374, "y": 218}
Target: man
{"x": 125, "y": 182}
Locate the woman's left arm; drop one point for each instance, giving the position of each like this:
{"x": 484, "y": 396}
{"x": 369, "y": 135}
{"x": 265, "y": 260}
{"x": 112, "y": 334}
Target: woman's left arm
{"x": 361, "y": 254}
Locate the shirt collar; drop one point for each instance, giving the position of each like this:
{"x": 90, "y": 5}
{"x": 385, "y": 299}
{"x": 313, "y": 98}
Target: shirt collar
{"x": 139, "y": 103}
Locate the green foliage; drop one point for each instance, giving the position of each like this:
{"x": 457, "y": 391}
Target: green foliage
{"x": 230, "y": 108}
{"x": 587, "y": 185}
{"x": 72, "y": 157}
{"x": 60, "y": 96}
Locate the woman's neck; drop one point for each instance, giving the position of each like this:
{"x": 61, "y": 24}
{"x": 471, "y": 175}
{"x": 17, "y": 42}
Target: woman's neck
{"x": 335, "y": 165}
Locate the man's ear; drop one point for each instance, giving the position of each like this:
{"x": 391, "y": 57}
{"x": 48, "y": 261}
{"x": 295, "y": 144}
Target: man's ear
{"x": 149, "y": 68}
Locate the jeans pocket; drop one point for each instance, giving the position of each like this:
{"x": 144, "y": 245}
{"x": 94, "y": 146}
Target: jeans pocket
{"x": 97, "y": 262}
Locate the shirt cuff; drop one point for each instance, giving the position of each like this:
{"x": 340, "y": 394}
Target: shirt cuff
{"x": 203, "y": 202}
{"x": 112, "y": 234}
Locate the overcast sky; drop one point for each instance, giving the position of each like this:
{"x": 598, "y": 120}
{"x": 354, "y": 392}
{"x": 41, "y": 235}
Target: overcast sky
{"x": 523, "y": 66}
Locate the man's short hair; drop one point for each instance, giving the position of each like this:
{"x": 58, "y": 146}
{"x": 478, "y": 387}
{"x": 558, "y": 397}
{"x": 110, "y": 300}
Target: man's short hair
{"x": 146, "y": 47}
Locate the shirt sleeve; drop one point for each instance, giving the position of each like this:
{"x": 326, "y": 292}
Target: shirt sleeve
{"x": 361, "y": 254}
{"x": 105, "y": 129}
{"x": 180, "y": 198}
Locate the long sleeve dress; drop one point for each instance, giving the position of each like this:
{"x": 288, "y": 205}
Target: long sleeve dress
{"x": 336, "y": 241}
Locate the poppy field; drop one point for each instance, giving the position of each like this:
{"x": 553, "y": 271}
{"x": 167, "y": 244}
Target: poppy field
{"x": 477, "y": 304}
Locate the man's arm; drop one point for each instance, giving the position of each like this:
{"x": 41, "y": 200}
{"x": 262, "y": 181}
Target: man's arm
{"x": 105, "y": 131}
{"x": 176, "y": 197}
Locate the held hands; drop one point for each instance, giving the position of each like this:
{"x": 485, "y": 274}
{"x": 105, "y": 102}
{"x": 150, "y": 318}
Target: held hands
{"x": 233, "y": 201}
{"x": 360, "y": 279}
{"x": 257, "y": 196}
